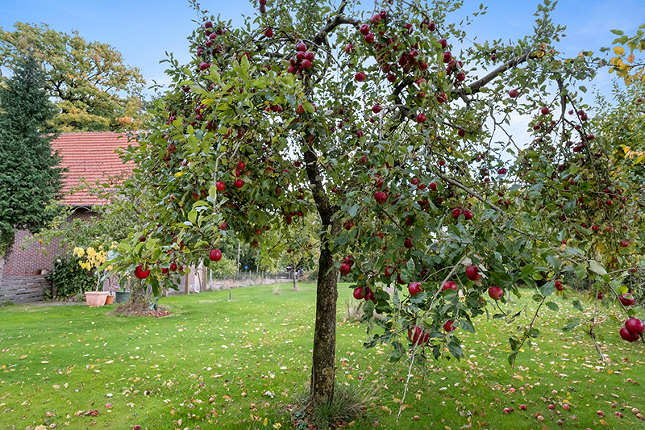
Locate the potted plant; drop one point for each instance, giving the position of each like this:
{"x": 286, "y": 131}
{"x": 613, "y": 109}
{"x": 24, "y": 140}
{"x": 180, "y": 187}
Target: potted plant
{"x": 91, "y": 259}
{"x": 123, "y": 294}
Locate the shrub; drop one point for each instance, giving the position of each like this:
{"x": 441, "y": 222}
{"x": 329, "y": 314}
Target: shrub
{"x": 69, "y": 278}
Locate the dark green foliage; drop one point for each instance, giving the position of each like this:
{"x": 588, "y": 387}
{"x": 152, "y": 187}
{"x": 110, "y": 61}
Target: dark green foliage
{"x": 29, "y": 176}
{"x": 70, "y": 279}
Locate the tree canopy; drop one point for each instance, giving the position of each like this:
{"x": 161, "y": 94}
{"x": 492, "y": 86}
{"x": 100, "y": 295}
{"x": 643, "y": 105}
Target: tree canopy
{"x": 401, "y": 146}
{"x": 30, "y": 176}
{"x": 92, "y": 87}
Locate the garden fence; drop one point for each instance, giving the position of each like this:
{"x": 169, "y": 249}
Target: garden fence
{"x": 23, "y": 289}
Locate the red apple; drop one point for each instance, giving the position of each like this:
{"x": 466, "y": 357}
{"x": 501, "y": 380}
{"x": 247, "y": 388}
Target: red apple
{"x": 456, "y": 212}
{"x": 495, "y": 293}
{"x": 380, "y": 197}
{"x": 626, "y": 335}
{"x": 417, "y": 335}
{"x": 369, "y": 295}
{"x": 635, "y": 326}
{"x": 345, "y": 268}
{"x": 433, "y": 186}
{"x": 472, "y": 272}
{"x": 173, "y": 267}
{"x": 140, "y": 273}
{"x": 389, "y": 271}
{"x": 626, "y": 299}
{"x": 421, "y": 117}
{"x": 468, "y": 214}
{"x": 414, "y": 287}
{"x": 215, "y": 255}
{"x": 522, "y": 407}
{"x": 513, "y": 93}
{"x": 449, "y": 285}
{"x": 238, "y": 183}
{"x": 624, "y": 243}
{"x": 376, "y": 108}
{"x": 442, "y": 98}
{"x": 448, "y": 326}
{"x": 221, "y": 186}
{"x": 301, "y": 47}
{"x": 268, "y": 32}
{"x": 559, "y": 286}
{"x": 545, "y": 110}
{"x": 408, "y": 243}
{"x": 358, "y": 293}
{"x": 360, "y": 77}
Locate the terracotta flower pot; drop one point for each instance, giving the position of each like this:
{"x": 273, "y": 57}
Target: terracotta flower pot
{"x": 109, "y": 299}
{"x": 95, "y": 298}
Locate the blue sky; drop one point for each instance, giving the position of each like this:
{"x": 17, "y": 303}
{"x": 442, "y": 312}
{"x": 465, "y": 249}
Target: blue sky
{"x": 144, "y": 29}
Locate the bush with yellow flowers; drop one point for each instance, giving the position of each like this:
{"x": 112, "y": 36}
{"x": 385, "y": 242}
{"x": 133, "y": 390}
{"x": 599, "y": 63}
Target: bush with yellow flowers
{"x": 91, "y": 259}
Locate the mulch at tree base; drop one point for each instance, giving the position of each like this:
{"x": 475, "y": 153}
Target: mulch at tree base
{"x": 139, "y": 309}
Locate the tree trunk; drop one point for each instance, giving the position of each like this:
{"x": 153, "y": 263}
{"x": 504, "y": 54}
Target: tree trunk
{"x": 323, "y": 370}
{"x": 138, "y": 292}
{"x": 295, "y": 287}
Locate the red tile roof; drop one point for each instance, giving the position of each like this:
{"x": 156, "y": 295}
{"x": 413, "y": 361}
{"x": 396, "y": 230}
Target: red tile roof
{"x": 90, "y": 157}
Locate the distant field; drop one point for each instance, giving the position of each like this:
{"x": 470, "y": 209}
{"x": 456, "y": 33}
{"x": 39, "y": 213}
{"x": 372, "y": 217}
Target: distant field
{"x": 240, "y": 363}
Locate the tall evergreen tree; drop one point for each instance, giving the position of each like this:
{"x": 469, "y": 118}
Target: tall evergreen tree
{"x": 30, "y": 175}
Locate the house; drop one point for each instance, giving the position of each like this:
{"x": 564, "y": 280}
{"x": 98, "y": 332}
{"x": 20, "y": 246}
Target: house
{"x": 89, "y": 157}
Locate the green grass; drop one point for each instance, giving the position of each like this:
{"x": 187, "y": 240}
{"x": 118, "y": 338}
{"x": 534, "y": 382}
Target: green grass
{"x": 241, "y": 363}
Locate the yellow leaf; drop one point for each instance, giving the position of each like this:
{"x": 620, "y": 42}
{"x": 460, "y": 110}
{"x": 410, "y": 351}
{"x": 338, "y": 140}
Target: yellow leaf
{"x": 630, "y": 58}
{"x": 619, "y": 51}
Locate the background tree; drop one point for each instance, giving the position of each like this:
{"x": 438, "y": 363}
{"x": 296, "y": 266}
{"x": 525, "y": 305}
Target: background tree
{"x": 400, "y": 147}
{"x": 92, "y": 87}
{"x": 625, "y": 63}
{"x": 29, "y": 172}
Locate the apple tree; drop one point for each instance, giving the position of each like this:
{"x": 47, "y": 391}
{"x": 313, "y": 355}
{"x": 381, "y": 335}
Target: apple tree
{"x": 395, "y": 132}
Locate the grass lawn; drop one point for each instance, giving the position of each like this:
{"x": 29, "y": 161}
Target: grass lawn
{"x": 240, "y": 363}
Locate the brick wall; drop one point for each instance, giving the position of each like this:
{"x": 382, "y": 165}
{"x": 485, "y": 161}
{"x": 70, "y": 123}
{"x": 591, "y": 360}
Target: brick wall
{"x": 35, "y": 257}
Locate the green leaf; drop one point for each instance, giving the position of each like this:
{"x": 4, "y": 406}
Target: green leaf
{"x": 553, "y": 306}
{"x": 595, "y": 267}
{"x": 581, "y": 271}
{"x": 467, "y": 325}
{"x": 573, "y": 323}
{"x": 151, "y": 243}
{"x": 617, "y": 32}
{"x": 455, "y": 349}
{"x": 193, "y": 143}
{"x": 576, "y": 305}
{"x": 125, "y": 247}
{"x": 548, "y": 288}
{"x": 192, "y": 216}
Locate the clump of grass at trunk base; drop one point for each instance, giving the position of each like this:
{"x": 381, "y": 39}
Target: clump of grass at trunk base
{"x": 349, "y": 404}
